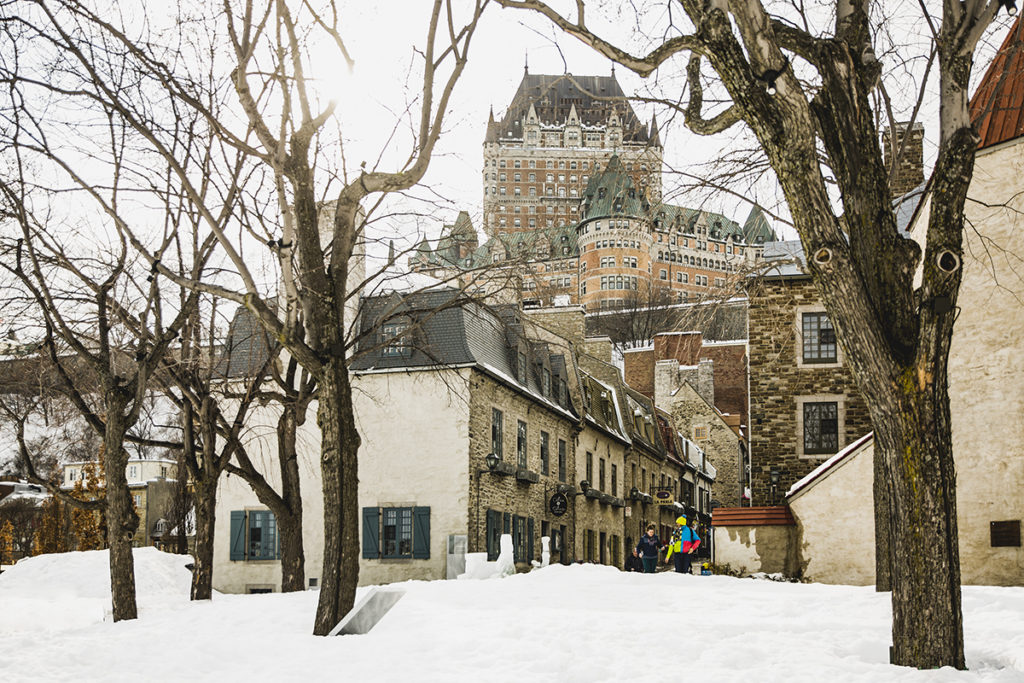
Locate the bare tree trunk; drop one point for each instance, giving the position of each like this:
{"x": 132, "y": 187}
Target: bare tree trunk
{"x": 206, "y": 517}
{"x": 915, "y": 442}
{"x": 339, "y": 450}
{"x": 289, "y": 517}
{"x": 883, "y": 545}
{"x": 121, "y": 518}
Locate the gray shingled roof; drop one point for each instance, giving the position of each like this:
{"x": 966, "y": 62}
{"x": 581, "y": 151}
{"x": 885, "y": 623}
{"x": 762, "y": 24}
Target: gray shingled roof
{"x": 247, "y": 347}
{"x": 448, "y": 330}
{"x": 553, "y": 96}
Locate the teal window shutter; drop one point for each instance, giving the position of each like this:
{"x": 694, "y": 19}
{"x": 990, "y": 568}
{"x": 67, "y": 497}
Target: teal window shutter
{"x": 507, "y": 524}
{"x": 371, "y": 533}
{"x": 237, "y": 535}
{"x": 529, "y": 539}
{"x": 493, "y": 534}
{"x": 421, "y": 533}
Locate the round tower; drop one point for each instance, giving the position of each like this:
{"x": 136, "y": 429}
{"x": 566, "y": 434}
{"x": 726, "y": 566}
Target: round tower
{"x": 614, "y": 237}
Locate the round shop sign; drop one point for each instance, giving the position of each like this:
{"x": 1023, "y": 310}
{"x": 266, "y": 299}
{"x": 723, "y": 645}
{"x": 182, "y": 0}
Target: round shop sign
{"x": 558, "y": 504}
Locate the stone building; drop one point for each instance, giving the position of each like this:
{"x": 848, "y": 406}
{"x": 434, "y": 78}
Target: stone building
{"x": 804, "y": 403}
{"x": 600, "y": 462}
{"x": 572, "y": 204}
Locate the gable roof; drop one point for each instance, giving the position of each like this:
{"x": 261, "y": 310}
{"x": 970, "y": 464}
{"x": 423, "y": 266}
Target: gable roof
{"x": 830, "y": 465}
{"x": 997, "y": 108}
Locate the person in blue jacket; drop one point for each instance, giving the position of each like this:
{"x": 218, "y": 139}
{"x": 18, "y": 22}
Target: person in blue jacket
{"x": 685, "y": 542}
{"x": 648, "y": 549}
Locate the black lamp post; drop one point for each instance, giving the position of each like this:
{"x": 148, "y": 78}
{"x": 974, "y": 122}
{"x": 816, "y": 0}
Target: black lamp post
{"x": 634, "y": 493}
{"x": 775, "y": 476}
{"x": 584, "y": 487}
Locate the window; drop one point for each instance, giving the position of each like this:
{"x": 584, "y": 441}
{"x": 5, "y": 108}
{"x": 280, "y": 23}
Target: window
{"x": 615, "y": 480}
{"x": 818, "y": 337}
{"x": 137, "y": 500}
{"x": 521, "y": 444}
{"x": 544, "y": 456}
{"x": 394, "y": 339}
{"x": 522, "y": 538}
{"x": 253, "y": 535}
{"x": 495, "y": 526}
{"x": 561, "y": 460}
{"x": 546, "y": 376}
{"x": 600, "y": 474}
{"x": 821, "y": 428}
{"x": 590, "y": 467}
{"x": 700, "y": 433}
{"x": 496, "y": 432}
{"x": 663, "y": 274}
{"x": 399, "y": 532}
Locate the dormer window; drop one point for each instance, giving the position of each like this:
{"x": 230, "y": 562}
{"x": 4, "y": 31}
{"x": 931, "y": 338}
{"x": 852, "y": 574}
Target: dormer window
{"x": 601, "y": 192}
{"x": 395, "y": 340}
{"x": 522, "y": 368}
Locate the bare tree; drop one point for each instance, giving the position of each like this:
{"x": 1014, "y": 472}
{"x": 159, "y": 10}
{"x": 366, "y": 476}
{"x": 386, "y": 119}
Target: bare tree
{"x": 807, "y": 97}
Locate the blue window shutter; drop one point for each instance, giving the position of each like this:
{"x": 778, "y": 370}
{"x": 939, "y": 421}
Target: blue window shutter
{"x": 529, "y": 539}
{"x": 371, "y": 533}
{"x": 507, "y": 524}
{"x": 493, "y": 527}
{"x": 421, "y": 533}
{"x": 237, "y": 535}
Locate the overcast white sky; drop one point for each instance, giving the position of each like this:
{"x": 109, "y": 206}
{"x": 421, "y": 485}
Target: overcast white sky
{"x": 381, "y": 36}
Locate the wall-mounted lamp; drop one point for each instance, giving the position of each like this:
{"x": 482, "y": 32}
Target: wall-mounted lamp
{"x": 775, "y": 476}
{"x": 491, "y": 461}
{"x": 634, "y": 493}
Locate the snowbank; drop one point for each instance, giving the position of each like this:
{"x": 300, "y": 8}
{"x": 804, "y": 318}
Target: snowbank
{"x": 578, "y": 623}
{"x": 54, "y": 592}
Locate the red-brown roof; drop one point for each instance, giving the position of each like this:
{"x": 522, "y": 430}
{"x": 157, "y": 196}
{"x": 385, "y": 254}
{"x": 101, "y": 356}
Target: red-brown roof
{"x": 997, "y": 108}
{"x": 775, "y": 515}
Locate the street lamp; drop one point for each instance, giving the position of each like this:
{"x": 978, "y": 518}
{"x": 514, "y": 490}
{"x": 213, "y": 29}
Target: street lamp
{"x": 634, "y": 493}
{"x": 491, "y": 460}
{"x": 775, "y": 476}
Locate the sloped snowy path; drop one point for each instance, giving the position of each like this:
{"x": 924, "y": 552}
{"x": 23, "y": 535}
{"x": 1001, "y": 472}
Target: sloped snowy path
{"x": 579, "y": 623}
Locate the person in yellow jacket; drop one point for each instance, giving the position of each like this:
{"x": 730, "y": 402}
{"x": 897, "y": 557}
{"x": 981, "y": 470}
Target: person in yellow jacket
{"x": 685, "y": 542}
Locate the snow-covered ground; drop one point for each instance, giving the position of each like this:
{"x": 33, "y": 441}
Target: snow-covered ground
{"x": 579, "y": 623}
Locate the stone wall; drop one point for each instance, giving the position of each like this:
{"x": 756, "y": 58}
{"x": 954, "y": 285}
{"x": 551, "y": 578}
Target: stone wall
{"x": 720, "y": 443}
{"x": 909, "y": 171}
{"x": 595, "y": 515}
{"x": 565, "y": 321}
{"x": 779, "y": 383}
{"x": 986, "y": 369}
{"x": 504, "y": 493}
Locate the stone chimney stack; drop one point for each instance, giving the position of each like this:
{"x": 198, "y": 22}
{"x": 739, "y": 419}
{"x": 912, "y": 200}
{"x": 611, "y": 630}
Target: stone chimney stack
{"x": 909, "y": 172}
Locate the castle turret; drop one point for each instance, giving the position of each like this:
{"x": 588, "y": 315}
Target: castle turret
{"x": 614, "y": 238}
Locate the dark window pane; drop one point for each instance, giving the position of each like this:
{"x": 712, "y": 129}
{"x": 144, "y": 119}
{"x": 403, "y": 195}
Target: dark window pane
{"x": 821, "y": 428}
{"x": 819, "y": 338}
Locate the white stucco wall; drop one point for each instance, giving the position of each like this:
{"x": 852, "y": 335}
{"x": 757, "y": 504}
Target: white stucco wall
{"x": 835, "y": 523}
{"x": 986, "y": 366}
{"x": 414, "y": 452}
{"x": 750, "y": 549}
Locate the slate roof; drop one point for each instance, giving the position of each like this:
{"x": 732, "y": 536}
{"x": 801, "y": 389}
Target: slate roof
{"x": 247, "y": 347}
{"x": 997, "y": 108}
{"x": 553, "y": 96}
{"x": 449, "y": 330}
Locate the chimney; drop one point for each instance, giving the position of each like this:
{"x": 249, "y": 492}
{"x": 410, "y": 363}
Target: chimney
{"x": 909, "y": 171}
